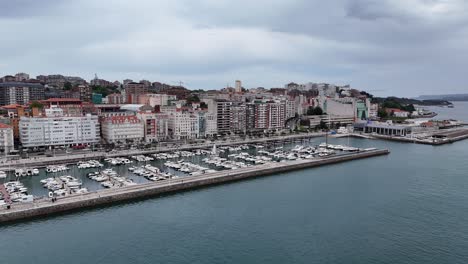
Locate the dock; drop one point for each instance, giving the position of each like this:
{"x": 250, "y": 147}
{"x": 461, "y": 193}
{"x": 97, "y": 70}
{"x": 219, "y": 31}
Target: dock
{"x": 441, "y": 137}
{"x": 44, "y": 207}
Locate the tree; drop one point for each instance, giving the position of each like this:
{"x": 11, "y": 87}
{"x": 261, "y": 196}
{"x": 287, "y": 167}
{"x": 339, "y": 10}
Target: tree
{"x": 323, "y": 125}
{"x": 203, "y": 105}
{"x": 382, "y": 113}
{"x": 318, "y": 111}
{"x": 314, "y": 110}
{"x": 193, "y": 98}
{"x": 67, "y": 86}
{"x": 36, "y": 104}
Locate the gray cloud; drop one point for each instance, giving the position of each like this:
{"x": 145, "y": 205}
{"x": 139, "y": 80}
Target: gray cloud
{"x": 404, "y": 47}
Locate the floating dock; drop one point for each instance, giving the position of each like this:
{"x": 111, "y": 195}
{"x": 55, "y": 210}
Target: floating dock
{"x": 45, "y": 207}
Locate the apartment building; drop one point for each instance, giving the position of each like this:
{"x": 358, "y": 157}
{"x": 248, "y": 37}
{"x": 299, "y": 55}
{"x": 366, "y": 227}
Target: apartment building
{"x": 20, "y": 93}
{"x": 6, "y": 138}
{"x": 120, "y": 129}
{"x": 57, "y": 129}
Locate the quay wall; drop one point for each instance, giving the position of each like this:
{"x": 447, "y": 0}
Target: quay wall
{"x": 45, "y": 207}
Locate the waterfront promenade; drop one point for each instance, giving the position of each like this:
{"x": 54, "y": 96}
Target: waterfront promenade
{"x": 44, "y": 206}
{"x": 73, "y": 158}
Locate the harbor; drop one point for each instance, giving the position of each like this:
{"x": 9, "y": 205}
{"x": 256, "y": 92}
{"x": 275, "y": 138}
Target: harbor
{"x": 76, "y": 185}
{"x": 45, "y": 206}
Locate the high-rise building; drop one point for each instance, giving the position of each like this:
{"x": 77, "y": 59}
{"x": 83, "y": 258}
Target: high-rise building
{"x": 223, "y": 116}
{"x": 238, "y": 86}
{"x": 20, "y": 93}
{"x": 238, "y": 118}
{"x": 6, "y": 138}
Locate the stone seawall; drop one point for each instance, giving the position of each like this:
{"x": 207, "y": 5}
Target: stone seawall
{"x": 45, "y": 207}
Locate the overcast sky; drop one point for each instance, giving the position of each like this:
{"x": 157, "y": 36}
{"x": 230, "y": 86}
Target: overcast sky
{"x": 386, "y": 47}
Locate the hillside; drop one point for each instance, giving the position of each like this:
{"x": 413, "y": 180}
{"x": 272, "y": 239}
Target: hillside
{"x": 446, "y": 97}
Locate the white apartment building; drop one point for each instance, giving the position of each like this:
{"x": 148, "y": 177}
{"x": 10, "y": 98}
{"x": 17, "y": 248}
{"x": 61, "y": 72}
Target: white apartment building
{"x": 117, "y": 129}
{"x": 291, "y": 108}
{"x": 57, "y": 130}
{"x": 185, "y": 125}
{"x": 6, "y": 138}
{"x": 210, "y": 125}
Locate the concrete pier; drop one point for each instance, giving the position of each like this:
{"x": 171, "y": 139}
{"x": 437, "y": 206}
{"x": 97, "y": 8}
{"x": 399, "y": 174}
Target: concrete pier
{"x": 45, "y": 207}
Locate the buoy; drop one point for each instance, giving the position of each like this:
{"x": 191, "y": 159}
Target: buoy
{"x": 51, "y": 194}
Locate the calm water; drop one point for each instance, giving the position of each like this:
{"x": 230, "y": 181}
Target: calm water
{"x": 408, "y": 207}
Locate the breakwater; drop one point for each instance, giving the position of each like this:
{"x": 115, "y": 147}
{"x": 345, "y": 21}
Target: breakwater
{"x": 45, "y": 207}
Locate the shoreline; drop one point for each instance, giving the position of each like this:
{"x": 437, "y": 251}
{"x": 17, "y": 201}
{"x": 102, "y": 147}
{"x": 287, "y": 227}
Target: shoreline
{"x": 44, "y": 207}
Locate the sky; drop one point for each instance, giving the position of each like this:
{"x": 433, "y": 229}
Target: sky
{"x": 385, "y": 47}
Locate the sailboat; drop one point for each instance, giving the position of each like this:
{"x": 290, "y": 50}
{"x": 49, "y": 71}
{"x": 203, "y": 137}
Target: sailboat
{"x": 213, "y": 151}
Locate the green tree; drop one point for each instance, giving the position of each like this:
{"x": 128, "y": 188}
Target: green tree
{"x": 318, "y": 111}
{"x": 382, "y": 113}
{"x": 67, "y": 86}
{"x": 323, "y": 125}
{"x": 36, "y": 104}
{"x": 193, "y": 98}
{"x": 314, "y": 110}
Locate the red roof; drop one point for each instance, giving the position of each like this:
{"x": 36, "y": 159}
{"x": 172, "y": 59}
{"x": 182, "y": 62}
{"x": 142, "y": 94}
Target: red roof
{"x": 395, "y": 110}
{"x": 4, "y": 126}
{"x": 11, "y": 106}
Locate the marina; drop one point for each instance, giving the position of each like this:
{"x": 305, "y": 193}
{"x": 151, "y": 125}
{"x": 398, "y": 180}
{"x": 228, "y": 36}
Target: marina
{"x": 45, "y": 207}
{"x": 126, "y": 174}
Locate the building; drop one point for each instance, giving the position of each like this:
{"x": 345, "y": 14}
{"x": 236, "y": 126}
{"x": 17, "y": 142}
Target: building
{"x": 70, "y": 106}
{"x": 20, "y": 93}
{"x": 184, "y": 125}
{"x": 276, "y": 115}
{"x": 238, "y": 86}
{"x": 223, "y": 116}
{"x": 57, "y": 129}
{"x": 85, "y": 93}
{"x": 397, "y": 112}
{"x": 122, "y": 129}
{"x": 100, "y": 82}
{"x": 133, "y": 91}
{"x": 115, "y": 98}
{"x": 291, "y": 109}
{"x": 6, "y": 138}
{"x": 58, "y": 81}
{"x": 238, "y": 119}
{"x": 156, "y": 126}
{"x": 387, "y": 129}
{"x": 156, "y": 99}
{"x": 210, "y": 124}
{"x": 21, "y": 77}
{"x": 96, "y": 98}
